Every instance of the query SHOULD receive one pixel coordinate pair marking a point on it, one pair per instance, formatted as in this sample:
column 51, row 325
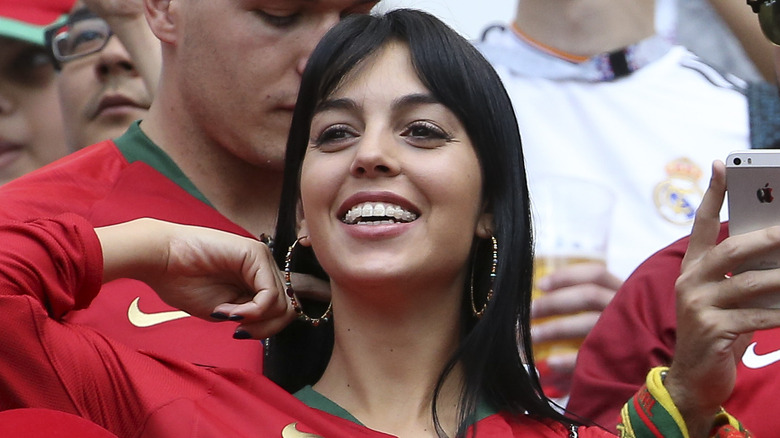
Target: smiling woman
column 404, row 186
column 388, row 118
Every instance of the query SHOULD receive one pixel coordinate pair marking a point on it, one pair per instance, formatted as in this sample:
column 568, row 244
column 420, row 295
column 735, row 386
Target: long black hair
column 498, row 370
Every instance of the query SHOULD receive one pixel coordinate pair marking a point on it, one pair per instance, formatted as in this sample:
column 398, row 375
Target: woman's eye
column 335, row 135
column 279, row 20
column 425, row 134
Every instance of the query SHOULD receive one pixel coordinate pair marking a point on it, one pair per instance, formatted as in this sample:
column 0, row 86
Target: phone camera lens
column 737, row 161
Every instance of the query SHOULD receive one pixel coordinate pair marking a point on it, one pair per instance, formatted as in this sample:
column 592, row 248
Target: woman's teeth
column 378, row 213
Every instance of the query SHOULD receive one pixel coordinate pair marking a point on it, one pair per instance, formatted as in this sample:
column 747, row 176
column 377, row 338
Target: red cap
column 26, row 19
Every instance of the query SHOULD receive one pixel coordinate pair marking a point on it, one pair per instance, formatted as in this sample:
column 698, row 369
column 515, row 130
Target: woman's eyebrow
column 398, row 104
column 409, row 101
column 340, row 104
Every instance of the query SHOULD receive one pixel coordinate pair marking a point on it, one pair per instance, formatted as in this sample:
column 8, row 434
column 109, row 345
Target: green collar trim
column 136, row 146
column 314, row 399
column 483, row 411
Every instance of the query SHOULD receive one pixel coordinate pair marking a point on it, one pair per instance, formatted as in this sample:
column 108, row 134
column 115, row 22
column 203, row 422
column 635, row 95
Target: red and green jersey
column 50, row 267
column 117, row 181
column 637, row 332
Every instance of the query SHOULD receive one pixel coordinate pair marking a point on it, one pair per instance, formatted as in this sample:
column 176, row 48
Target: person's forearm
column 135, row 249
column 744, row 24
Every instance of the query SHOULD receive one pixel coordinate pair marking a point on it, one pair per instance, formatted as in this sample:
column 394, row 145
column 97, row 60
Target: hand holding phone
column 752, row 178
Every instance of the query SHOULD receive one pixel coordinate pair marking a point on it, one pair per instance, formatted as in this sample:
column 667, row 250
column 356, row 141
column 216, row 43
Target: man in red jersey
column 209, row 153
column 638, row 330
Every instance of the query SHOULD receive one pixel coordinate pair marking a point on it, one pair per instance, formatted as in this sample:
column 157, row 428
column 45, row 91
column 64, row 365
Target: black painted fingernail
column 220, row 316
column 236, row 317
column 241, row 334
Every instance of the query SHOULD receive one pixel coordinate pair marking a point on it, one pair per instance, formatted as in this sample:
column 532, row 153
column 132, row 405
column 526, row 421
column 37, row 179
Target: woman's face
column 390, row 183
column 31, row 133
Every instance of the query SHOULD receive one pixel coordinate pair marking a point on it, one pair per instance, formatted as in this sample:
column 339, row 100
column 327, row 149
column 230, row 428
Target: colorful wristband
column 652, row 413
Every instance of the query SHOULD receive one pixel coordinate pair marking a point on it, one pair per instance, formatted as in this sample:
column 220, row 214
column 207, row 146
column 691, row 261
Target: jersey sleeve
column 57, row 262
column 47, row 268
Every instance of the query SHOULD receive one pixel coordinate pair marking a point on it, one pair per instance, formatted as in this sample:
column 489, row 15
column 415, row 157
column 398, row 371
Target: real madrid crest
column 677, row 198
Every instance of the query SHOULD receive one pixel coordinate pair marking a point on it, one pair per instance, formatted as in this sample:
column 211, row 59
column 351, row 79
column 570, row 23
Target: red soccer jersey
column 637, row 331
column 117, row 181
column 52, row 266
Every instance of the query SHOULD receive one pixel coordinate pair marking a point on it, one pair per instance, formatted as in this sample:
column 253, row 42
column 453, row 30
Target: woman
column 451, row 103
column 405, row 177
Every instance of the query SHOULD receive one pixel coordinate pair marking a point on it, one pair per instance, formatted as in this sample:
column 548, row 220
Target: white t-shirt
column 651, row 136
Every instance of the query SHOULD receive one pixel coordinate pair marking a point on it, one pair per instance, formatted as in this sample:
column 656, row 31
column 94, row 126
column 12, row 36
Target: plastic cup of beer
column 572, row 219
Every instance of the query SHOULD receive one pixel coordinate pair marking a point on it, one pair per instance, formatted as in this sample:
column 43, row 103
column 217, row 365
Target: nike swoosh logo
column 754, row 361
column 141, row 319
column 291, row 431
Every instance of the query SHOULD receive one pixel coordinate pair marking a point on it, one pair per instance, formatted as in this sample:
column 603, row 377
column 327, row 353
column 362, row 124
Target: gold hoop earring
column 291, row 293
column 493, row 266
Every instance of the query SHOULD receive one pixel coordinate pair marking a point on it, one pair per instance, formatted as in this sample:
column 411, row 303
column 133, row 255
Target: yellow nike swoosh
column 291, row 431
column 140, row 319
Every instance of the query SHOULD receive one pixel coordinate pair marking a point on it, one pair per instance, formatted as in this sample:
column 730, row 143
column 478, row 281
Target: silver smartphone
column 753, row 185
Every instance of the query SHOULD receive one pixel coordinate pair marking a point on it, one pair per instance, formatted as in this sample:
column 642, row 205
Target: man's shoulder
column 658, row 273
column 687, row 61
column 96, row 160
column 674, row 252
column 68, row 184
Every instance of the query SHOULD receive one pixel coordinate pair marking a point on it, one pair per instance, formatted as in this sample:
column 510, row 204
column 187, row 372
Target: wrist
column 675, row 412
column 697, row 419
column 136, row 249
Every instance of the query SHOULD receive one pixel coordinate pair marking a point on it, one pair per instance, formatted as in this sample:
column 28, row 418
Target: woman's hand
column 712, row 328
column 207, row 273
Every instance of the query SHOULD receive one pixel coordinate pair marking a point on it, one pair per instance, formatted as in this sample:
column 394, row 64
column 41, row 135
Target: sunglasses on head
column 768, row 17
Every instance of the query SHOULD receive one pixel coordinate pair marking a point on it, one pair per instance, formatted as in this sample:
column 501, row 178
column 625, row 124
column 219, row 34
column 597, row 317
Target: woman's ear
column 304, row 239
column 162, row 16
column 303, row 229
column 485, row 225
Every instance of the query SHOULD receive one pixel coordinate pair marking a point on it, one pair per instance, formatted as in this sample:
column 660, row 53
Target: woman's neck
column 388, row 357
column 586, row 27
